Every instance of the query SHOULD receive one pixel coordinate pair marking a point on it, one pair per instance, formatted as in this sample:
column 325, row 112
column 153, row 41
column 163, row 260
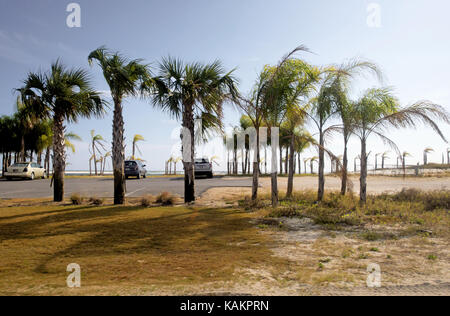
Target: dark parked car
column 135, row 168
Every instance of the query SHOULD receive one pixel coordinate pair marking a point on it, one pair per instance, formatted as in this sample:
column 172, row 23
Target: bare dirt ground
column 335, row 262
column 375, row 185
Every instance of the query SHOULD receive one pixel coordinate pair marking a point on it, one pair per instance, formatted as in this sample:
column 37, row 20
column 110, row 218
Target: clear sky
column 412, row 46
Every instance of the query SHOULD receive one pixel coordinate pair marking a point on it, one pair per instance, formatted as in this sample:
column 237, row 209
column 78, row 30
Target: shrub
column 165, row 198
column 76, row 199
column 96, row 201
column 147, row 201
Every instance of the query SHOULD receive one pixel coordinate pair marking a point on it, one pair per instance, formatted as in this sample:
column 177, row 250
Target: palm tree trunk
column 291, row 168
column 47, row 161
column 95, row 158
column 189, row 177
column 286, row 160
column 404, row 167
column 321, row 169
column 118, row 154
column 255, row 182
column 344, row 169
column 59, row 157
column 363, row 177
column 281, row 160
column 299, row 164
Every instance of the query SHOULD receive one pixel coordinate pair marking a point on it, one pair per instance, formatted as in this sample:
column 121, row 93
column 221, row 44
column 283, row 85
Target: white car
column 25, row 170
column 202, row 167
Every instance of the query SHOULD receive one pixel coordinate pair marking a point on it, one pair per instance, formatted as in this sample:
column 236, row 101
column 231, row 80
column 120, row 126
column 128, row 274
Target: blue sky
column 412, row 47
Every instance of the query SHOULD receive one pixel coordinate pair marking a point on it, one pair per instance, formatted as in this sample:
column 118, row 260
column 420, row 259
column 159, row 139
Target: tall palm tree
column 27, row 120
column 378, row 110
column 339, row 84
column 97, row 143
column 281, row 88
column 125, row 78
column 425, row 154
column 192, row 90
column 137, row 138
column 65, row 95
column 448, row 156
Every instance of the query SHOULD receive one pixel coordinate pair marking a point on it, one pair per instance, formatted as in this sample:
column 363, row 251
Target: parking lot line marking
column 131, row 193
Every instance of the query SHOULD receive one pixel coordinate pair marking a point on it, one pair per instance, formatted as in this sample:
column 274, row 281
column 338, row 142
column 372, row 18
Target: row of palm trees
column 293, row 93
column 285, row 96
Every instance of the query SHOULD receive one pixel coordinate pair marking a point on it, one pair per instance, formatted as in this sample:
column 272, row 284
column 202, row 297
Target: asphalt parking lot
column 103, row 187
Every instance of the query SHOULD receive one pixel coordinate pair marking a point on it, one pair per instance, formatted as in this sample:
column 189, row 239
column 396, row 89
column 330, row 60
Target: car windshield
column 130, row 163
column 201, row 161
column 20, row 165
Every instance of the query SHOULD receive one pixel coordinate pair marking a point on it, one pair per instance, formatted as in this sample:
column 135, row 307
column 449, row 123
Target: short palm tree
column 377, row 110
column 137, row 138
column 384, row 156
column 312, row 160
column 192, row 90
column 64, row 95
column 425, row 154
column 125, row 78
column 405, row 154
column 97, row 143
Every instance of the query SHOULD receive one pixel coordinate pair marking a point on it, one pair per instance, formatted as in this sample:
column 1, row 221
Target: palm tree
column 97, row 143
column 281, row 88
column 63, row 94
column 425, row 154
column 356, row 158
column 136, row 138
column 303, row 140
column 312, row 160
column 448, row 156
column 376, row 160
column 175, row 161
column 384, row 156
column 338, row 84
column 108, row 154
column 27, row 120
column 404, row 155
column 378, row 110
column 244, row 123
column 124, row 78
column 305, row 161
column 192, row 90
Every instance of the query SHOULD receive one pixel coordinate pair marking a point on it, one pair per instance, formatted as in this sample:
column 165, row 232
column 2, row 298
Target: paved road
column 103, row 187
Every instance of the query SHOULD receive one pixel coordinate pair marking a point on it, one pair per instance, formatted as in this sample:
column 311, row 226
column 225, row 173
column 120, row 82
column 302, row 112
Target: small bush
column 432, row 257
column 165, row 198
column 147, row 201
column 96, row 201
column 76, row 199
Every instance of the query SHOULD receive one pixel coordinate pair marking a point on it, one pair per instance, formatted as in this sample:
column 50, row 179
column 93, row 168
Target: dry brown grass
column 121, row 248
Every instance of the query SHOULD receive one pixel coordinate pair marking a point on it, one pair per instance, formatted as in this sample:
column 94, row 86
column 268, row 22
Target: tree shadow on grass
column 188, row 234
